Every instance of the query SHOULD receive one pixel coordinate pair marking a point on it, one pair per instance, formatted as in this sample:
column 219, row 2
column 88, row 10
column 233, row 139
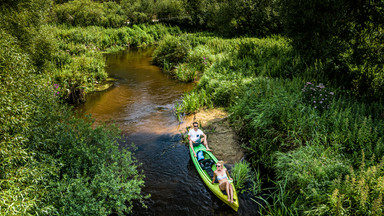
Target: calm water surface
column 141, row 103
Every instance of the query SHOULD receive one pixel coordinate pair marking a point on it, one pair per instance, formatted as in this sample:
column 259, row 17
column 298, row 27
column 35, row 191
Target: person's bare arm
column 214, row 178
column 191, row 146
column 228, row 174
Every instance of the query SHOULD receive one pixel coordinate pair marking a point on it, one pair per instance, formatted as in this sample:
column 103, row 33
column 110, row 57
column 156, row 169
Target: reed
column 241, row 174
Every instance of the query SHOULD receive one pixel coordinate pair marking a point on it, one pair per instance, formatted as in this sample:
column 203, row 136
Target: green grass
column 241, row 173
column 304, row 136
column 79, row 59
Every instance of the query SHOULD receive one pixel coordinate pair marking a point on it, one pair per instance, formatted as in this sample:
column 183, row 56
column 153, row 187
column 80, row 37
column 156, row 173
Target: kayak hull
column 207, row 179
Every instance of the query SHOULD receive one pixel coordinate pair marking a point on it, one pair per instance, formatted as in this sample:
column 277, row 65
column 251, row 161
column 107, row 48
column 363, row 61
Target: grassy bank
column 78, row 61
column 319, row 146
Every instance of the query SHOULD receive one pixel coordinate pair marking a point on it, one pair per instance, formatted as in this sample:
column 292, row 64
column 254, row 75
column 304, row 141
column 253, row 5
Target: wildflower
column 321, row 85
column 331, row 93
column 314, row 101
column 321, row 102
column 315, row 107
column 309, row 83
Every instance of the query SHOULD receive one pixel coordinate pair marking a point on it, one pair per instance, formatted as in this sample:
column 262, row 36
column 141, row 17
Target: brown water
column 141, row 103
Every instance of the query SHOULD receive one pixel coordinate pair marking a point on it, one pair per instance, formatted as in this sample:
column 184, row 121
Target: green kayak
column 207, row 176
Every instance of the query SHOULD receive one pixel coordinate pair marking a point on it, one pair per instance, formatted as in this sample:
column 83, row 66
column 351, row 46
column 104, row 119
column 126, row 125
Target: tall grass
column 79, row 61
column 241, row 173
column 302, row 130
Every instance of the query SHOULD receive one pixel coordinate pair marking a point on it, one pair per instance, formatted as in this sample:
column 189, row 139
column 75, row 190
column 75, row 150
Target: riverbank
column 301, row 129
column 78, row 53
column 222, row 138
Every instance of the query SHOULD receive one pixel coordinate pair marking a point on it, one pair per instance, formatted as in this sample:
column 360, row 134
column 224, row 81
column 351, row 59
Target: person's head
column 195, row 125
column 219, row 164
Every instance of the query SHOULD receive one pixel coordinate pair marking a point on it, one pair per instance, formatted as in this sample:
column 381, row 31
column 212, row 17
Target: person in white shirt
column 197, row 137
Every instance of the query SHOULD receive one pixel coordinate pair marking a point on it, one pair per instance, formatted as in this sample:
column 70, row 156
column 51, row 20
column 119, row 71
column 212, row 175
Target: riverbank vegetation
column 53, row 163
column 308, row 105
column 303, row 81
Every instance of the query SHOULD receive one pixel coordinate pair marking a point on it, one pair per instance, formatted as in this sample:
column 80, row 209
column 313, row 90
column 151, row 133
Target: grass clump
column 241, row 174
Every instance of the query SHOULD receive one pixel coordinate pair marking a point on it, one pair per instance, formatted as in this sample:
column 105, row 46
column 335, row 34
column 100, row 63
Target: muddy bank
column 222, row 138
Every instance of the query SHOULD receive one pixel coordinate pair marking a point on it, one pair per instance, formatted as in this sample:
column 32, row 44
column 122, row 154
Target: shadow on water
column 141, row 103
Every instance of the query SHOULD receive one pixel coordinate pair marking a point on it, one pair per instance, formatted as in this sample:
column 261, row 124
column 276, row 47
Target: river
column 141, row 103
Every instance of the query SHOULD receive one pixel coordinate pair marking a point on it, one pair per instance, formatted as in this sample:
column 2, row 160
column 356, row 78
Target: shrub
column 52, row 162
column 184, row 72
column 193, row 101
column 87, row 13
column 171, row 49
column 201, row 58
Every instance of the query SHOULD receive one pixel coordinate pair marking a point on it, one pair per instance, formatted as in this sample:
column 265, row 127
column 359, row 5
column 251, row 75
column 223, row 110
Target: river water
column 141, row 103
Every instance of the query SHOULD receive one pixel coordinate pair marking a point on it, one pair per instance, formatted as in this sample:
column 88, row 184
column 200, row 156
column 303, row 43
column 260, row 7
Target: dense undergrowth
column 320, row 146
column 51, row 162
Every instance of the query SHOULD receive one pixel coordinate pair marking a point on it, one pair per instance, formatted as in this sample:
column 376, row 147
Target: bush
column 53, row 163
column 138, row 11
column 87, row 13
column 171, row 50
column 167, row 10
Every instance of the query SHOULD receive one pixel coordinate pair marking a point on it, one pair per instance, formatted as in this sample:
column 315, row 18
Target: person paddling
column 196, row 137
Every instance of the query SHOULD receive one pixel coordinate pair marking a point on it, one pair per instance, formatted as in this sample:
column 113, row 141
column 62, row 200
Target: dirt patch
column 222, row 139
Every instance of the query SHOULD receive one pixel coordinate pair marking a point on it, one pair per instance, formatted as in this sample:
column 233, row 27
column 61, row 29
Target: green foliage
column 184, row 72
column 168, row 10
column 241, row 174
column 140, row 11
column 276, row 201
column 317, row 96
column 361, row 192
column 53, row 163
column 171, row 50
column 23, row 20
column 246, row 17
column 88, row 12
column 193, row 101
column 309, row 172
column 344, row 36
column 259, row 81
